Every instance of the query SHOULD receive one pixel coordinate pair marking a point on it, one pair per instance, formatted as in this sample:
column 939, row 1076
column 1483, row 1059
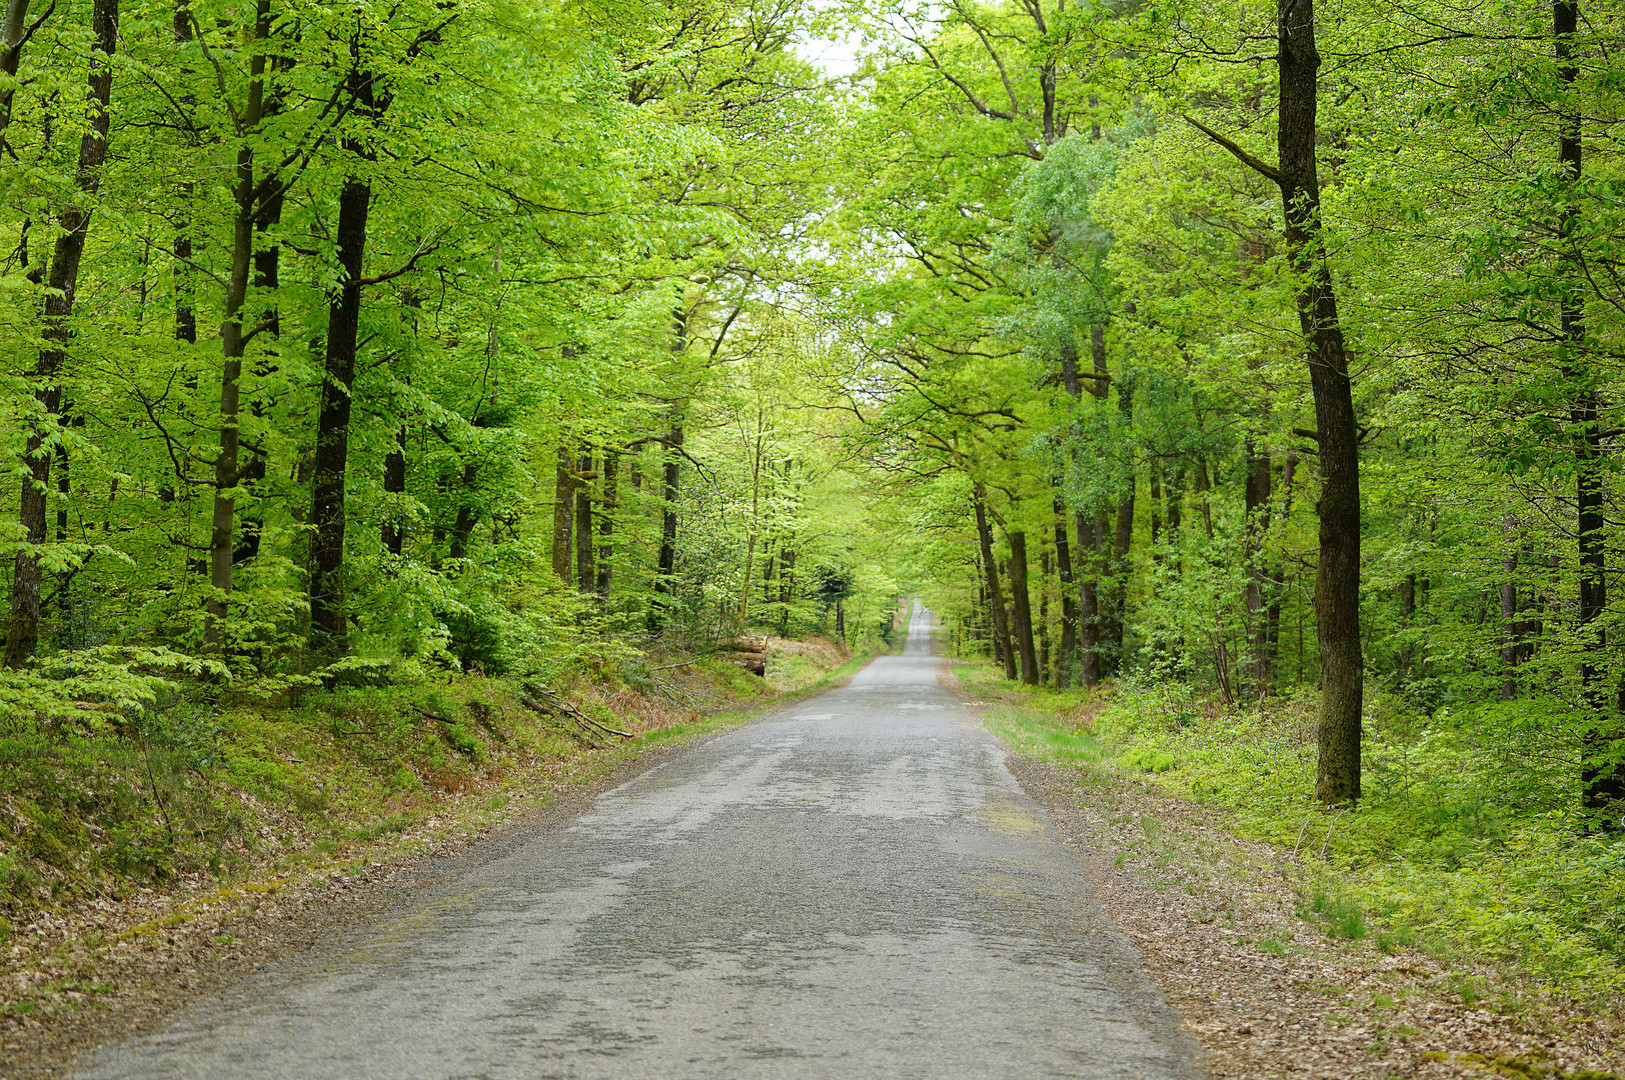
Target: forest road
column 853, row 886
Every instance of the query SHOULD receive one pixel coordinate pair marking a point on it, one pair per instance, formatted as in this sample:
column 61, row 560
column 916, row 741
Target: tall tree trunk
column 394, row 529
column 267, row 280
column 1001, row 627
column 64, row 580
column 606, row 524
column 327, row 614
column 1123, row 538
column 462, row 532
column 1603, row 765
column 1260, row 475
column 666, row 561
column 1066, row 659
column 1023, row 607
column 564, row 499
column 62, row 278
column 1337, row 579
column 14, row 34
column 1509, row 621
column 585, row 580
column 1089, row 644
column 787, row 578
column 1046, row 663
column 755, row 517
column 233, row 342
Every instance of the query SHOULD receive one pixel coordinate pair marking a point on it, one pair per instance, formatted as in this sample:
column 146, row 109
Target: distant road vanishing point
column 852, row 886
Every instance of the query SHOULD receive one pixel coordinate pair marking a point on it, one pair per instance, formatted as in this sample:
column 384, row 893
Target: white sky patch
column 837, row 59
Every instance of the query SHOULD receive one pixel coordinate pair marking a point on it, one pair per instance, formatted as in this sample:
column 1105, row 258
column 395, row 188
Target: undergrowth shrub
column 1467, row 841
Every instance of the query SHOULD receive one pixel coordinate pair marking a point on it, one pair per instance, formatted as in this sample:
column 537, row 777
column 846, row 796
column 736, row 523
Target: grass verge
column 1460, row 848
column 192, row 815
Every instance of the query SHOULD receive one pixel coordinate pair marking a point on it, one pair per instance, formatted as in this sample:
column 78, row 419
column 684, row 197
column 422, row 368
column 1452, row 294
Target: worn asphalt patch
column 852, row 886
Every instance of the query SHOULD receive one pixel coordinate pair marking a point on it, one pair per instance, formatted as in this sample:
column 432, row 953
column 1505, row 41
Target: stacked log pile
column 749, row 653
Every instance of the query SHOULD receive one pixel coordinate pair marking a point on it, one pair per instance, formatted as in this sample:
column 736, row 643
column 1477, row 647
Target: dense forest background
column 1266, row 358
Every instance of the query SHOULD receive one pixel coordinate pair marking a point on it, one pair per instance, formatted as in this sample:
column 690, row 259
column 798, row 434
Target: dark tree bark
column 1509, row 628
column 1260, row 477
column 1023, row 608
column 1001, row 628
column 327, row 614
column 267, row 280
column 1122, row 540
column 1088, row 600
column 1046, row 663
column 462, row 531
column 666, row 561
column 15, row 31
column 62, row 278
column 564, row 483
column 1337, row 579
column 1066, row 658
column 787, row 576
column 64, row 580
column 1602, row 775
column 1091, row 539
column 233, row 343
column 394, row 529
column 584, row 570
column 1337, row 576
column 606, row 524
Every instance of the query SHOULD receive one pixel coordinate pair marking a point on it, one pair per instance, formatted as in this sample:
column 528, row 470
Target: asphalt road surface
column 853, row 886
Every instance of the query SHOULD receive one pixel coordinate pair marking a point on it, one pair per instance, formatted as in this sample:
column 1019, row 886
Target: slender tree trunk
column 1066, row 659
column 564, row 486
column 233, row 342
column 1123, row 538
column 267, row 280
column 327, row 614
column 606, row 524
column 787, row 575
column 666, row 562
column 462, row 532
column 14, row 34
column 1260, row 475
column 585, row 579
column 394, row 530
column 1088, row 600
column 1337, row 579
column 755, row 517
column 1023, row 608
column 64, row 580
column 62, row 277
column 1603, row 765
column 1046, row 664
column 1001, row 628
column 1509, row 624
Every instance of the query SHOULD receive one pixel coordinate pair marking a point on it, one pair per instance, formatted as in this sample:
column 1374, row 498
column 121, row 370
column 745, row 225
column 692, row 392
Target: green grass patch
column 1147, row 759
column 1466, row 844
column 221, row 784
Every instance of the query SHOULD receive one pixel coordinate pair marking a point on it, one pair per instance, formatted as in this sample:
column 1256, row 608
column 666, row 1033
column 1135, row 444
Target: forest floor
column 1226, row 928
column 111, row 967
